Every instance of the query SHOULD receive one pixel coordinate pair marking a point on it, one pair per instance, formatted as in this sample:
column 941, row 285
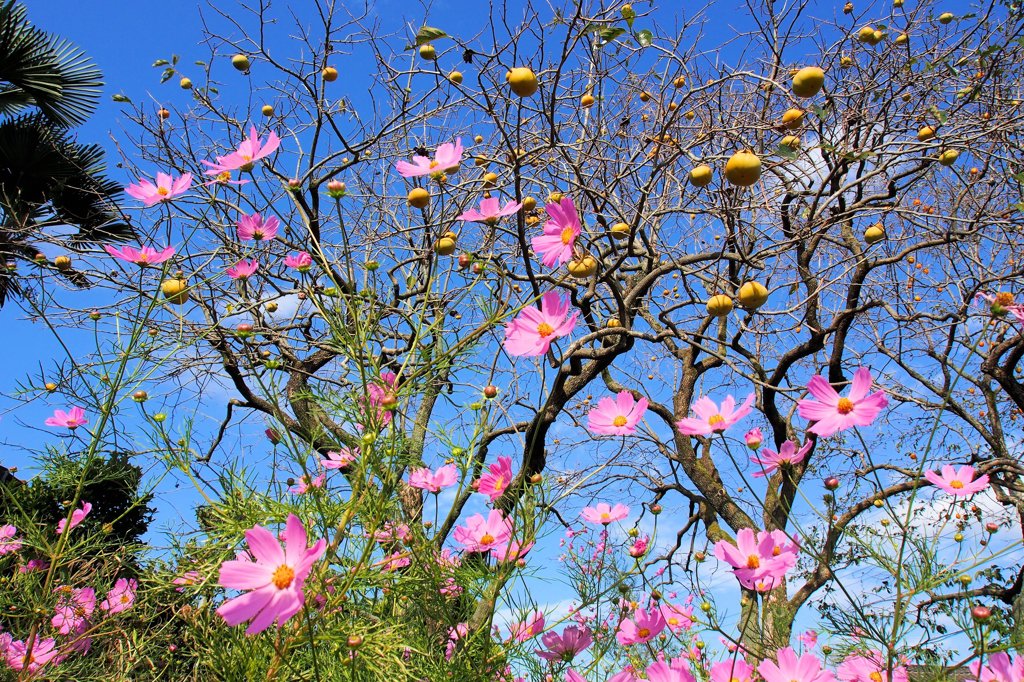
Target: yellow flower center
column 1004, row 298
column 499, row 482
column 716, row 420
column 224, row 177
column 163, row 191
column 643, row 632
column 606, row 517
column 845, row 406
column 433, row 164
column 875, row 676
column 619, row 421
column 753, row 561
column 125, row 599
column 673, row 621
column 283, row 576
column 545, row 330
column 567, row 235
column 956, row 484
column 776, row 551
column 486, row 539
column 257, row 235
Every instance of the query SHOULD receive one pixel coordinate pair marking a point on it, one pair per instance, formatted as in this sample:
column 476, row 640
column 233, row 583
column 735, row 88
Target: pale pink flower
column 759, row 561
column 832, row 414
column 565, row 646
column 677, row 617
column 528, row 628
column 77, row 516
column 382, row 396
column 307, row 484
column 788, row 667
column 959, row 482
column 808, row 639
column 71, row 419
column 604, row 514
column 714, row 419
column 787, row 455
column 339, row 459
column 44, row 650
column 391, row 532
column 446, row 159
column 255, row 227
column 8, row 543
column 141, row 256
column 301, row 261
column 460, row 631
column 642, row 627
column 513, row 551
column 496, row 479
column 490, row 212
column 274, row 579
column 618, row 416
column 186, row 579
column 248, row 153
column 165, row 189
column 243, row 269
column 483, row 535
column 733, row 670
column 555, row 246
column 753, row 438
column 660, row 671
column 394, row 561
column 999, row 668
column 533, row 330
column 425, row 479
column 870, row 667
column 121, row 596
column 74, row 606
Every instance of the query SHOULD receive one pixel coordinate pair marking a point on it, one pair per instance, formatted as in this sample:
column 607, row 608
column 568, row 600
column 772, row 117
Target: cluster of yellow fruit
column 752, row 295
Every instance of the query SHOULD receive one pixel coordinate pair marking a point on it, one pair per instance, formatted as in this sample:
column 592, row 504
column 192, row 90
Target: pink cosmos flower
column 733, row 670
column 301, row 261
column 8, row 543
column 787, row 455
column 141, row 256
column 533, row 330
column 382, row 396
column 618, row 416
column 186, row 579
column 660, row 671
column 808, row 639
column 1002, row 303
column 605, row 514
column 714, row 419
column 528, row 628
column 753, row 438
column 639, row 547
column 498, row 476
column 460, row 631
column 339, row 459
column 33, row 565
column 249, row 151
column 425, row 479
column 555, row 246
column 255, row 227
column 642, row 627
column 788, row 667
column 677, row 617
column 490, row 212
column 273, row 580
column 759, row 561
column 71, row 419
column 870, row 668
column 394, row 561
column 832, row 414
column 77, row 516
column 513, row 551
column 446, row 159
column 573, row 676
column 74, row 607
column 44, row 650
column 999, row 668
column 121, row 596
column 391, row 532
column 959, row 482
column 484, row 535
column 243, row 269
column 564, row 646
column 307, row 484
column 165, row 189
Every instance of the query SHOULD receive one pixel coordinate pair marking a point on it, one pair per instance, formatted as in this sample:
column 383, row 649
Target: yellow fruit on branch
column 522, row 81
column 582, row 268
column 874, row 234
column 793, row 118
column 428, row 52
column 185, row 83
column 529, row 204
column 948, row 157
column 329, row 74
column 587, row 101
column 620, row 231
column 866, row 34
column 719, row 305
column 175, row 290
column 743, row 169
column 926, row 133
column 240, row 62
column 791, row 142
column 445, row 246
column 62, row 263
column 808, row 81
column 418, row 197
column 701, row 176
column 456, row 77
column 267, row 110
column 753, row 295
column 945, row 18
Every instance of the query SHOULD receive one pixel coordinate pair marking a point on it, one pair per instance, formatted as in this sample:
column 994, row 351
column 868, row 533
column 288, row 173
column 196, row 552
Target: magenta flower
column 604, row 514
column 425, row 479
column 787, row 455
column 490, row 212
column 44, row 650
column 301, row 261
column 733, row 670
column 832, row 414
column 392, row 532
column 714, row 419
column 677, row 617
column 121, row 596
column 77, row 516
column 186, row 579
column 71, row 419
column 959, row 482
column 73, row 609
column 753, row 438
column 307, row 484
column 618, row 416
column 255, row 227
column 790, row 668
column 248, row 153
column 8, row 543
column 660, row 671
column 483, row 535
column 533, row 330
column 339, row 459
column 446, row 159
column 565, row 646
column 759, row 561
column 165, row 189
column 639, row 547
column 528, row 628
column 1002, row 303
column 555, row 246
column 642, row 627
column 273, row 581
column 999, row 668
column 382, row 396
column 141, row 256
column 243, row 269
column 496, row 479
column 513, row 551
column 808, row 638
column 870, row 667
